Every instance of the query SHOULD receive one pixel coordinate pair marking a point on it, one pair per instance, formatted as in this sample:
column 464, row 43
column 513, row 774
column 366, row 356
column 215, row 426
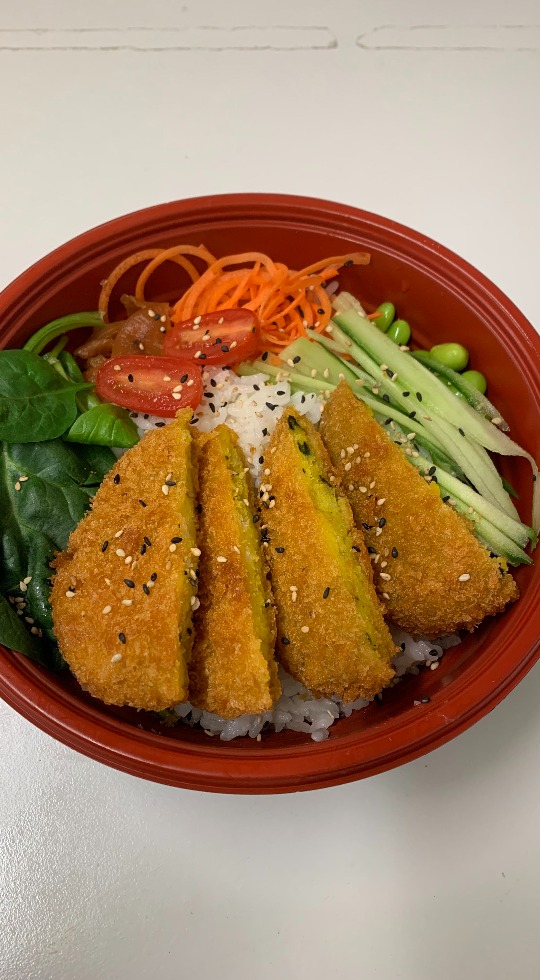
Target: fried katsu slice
column 433, row 575
column 124, row 586
column 331, row 633
column 232, row 671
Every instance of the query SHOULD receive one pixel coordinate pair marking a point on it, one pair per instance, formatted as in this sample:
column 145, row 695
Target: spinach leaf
column 36, row 403
column 16, row 636
column 39, row 513
column 104, row 425
column 73, row 321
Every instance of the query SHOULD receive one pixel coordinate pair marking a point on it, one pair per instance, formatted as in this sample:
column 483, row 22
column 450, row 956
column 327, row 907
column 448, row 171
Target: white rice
column 243, row 404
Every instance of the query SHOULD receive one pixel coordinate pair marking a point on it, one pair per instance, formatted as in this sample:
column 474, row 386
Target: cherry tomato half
column 224, row 337
column 157, row 385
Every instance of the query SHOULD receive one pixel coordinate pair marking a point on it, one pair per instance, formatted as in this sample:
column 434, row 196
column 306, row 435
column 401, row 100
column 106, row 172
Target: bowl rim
column 34, row 694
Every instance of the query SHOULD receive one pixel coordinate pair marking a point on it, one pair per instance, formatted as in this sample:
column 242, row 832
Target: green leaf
column 48, row 333
column 16, row 636
column 37, row 519
column 36, row 403
column 104, row 425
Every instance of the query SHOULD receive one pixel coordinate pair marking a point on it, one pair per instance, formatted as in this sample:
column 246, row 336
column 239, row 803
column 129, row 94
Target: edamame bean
column 454, row 356
column 400, row 332
column 387, row 312
column 476, row 379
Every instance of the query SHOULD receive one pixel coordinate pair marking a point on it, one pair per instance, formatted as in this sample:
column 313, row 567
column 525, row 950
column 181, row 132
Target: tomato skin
column 223, row 337
column 152, row 386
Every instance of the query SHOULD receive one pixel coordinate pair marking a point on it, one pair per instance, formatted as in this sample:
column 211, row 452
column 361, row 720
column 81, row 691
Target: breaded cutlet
column 432, row 574
column 124, row 587
column 232, row 669
column 331, row 633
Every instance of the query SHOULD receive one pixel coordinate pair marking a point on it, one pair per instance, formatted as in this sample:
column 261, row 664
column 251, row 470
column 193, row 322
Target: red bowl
column 444, row 298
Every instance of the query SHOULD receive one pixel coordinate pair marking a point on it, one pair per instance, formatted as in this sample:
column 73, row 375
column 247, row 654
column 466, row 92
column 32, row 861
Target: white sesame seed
column 272, row 504
column 385, row 576
column 119, row 533
column 172, row 547
column 190, row 382
column 23, row 479
column 236, row 549
column 127, row 602
column 434, row 665
column 464, row 578
column 116, row 658
column 221, row 558
column 141, row 346
column 497, row 420
column 304, row 629
column 366, row 455
column 375, row 391
column 36, row 631
column 117, row 367
column 27, row 579
column 221, row 319
column 378, row 531
column 70, row 594
column 106, row 610
column 176, row 395
column 128, row 559
column 195, row 602
column 372, row 484
column 178, row 388
column 197, row 320
column 165, row 489
column 347, row 467
column 294, row 596
column 195, row 551
column 163, row 319
column 120, row 552
column 23, row 587
column 167, row 565
column 381, row 501
column 385, row 595
column 351, row 486
column 17, row 485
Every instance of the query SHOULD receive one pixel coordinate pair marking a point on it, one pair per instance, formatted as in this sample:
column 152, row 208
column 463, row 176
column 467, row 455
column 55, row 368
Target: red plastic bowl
column 444, row 298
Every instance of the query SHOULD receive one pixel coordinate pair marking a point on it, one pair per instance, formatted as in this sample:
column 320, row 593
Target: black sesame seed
column 202, row 357
column 446, row 499
column 261, row 460
column 264, row 356
column 270, row 406
column 225, row 348
column 146, row 416
column 170, row 483
column 183, row 379
column 153, row 577
column 257, row 387
column 159, row 425
column 419, row 396
column 461, row 432
column 291, row 422
column 355, row 547
column 194, row 420
column 147, row 541
column 156, row 316
column 302, row 399
column 382, row 522
column 394, row 552
column 348, row 262
column 386, row 398
column 122, row 637
column 143, row 549
column 130, row 378
column 256, row 518
column 212, row 407
column 534, row 478
column 320, row 311
column 176, row 540
column 145, row 589
column 367, row 527
column 371, row 551
column 134, row 415
column 208, row 394
column 402, row 646
column 116, row 479
column 297, row 359
column 213, row 382
column 280, row 551
column 199, row 508
column 189, row 631
column 425, row 699
column 412, row 415
column 405, row 394
column 267, row 603
column 389, row 372
column 142, row 502
column 388, row 421
column 432, row 470
column 280, row 392
column 285, row 640
column 129, row 582
column 265, row 431
column 104, row 546
column 326, row 592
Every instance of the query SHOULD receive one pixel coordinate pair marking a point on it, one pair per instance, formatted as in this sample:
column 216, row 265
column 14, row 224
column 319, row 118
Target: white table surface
column 429, row 871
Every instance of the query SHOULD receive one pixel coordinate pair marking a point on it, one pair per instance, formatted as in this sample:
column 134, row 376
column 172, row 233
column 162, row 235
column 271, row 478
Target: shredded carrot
column 287, row 302
column 374, row 315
